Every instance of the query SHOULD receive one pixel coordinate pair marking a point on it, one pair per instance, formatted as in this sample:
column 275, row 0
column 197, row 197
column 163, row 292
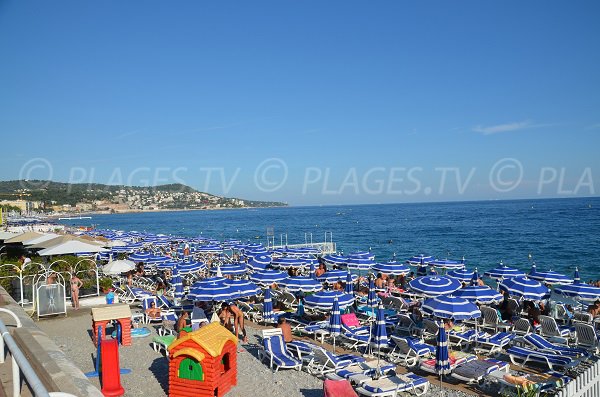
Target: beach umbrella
column 349, row 288
column 71, row 247
column 479, row 294
column 447, row 264
column 362, row 254
column 379, row 336
column 212, row 289
column 502, row 271
column 209, row 249
column 244, row 288
column 230, row 269
column 140, row 256
column 323, row 300
column 331, row 276
column 268, row 306
column 392, row 268
column 165, row 265
column 300, row 283
column 451, row 307
column 432, row 286
column 442, row 361
column 335, row 321
column 177, row 283
column 461, row 274
column 286, row 262
column 118, row 266
column 259, row 261
column 420, row 260
column 268, row 277
column 550, row 277
column 359, row 263
column 335, row 260
column 525, row 288
column 372, row 296
column 191, row 267
column 578, row 290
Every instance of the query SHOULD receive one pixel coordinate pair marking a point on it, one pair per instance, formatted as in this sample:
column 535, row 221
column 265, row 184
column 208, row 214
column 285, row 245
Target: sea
column 556, row 234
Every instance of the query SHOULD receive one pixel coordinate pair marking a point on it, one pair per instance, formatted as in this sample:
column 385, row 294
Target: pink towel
column 350, row 320
column 338, row 388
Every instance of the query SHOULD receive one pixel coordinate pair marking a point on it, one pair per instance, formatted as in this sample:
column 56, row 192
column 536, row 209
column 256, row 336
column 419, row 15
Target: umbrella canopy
column 323, row 300
column 212, row 289
column 21, row 238
column 372, row 296
column 447, row 264
column 578, row 290
column 479, row 294
column 451, row 307
column 525, row 288
column 177, row 283
column 300, row 283
column 259, row 261
column 71, row 247
column 191, row 267
column 379, row 336
column 286, row 262
column 41, row 239
column 331, row 276
column 461, row 274
column 230, row 269
column 267, row 307
column 432, row 286
column 244, row 288
column 442, row 363
column 550, row 277
column 362, row 254
column 503, row 271
column 359, row 263
column 140, row 256
column 392, row 268
column 165, row 265
column 335, row 260
column 420, row 260
column 118, row 267
column 268, row 277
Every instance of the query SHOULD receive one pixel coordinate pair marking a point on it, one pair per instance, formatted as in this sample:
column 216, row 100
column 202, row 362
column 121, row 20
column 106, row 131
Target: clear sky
column 313, row 102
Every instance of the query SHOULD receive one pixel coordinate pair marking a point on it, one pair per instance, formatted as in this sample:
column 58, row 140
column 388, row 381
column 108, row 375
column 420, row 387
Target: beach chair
column 582, row 317
column 287, row 299
column 549, row 328
column 137, row 294
column 475, row 371
column 538, row 342
column 302, row 350
column 198, row 317
column 493, row 344
column 430, row 328
column 492, row 321
column 160, row 343
column 406, row 325
column 409, row 350
column 165, row 304
column 546, row 383
column 324, row 361
column 362, row 372
column 395, row 303
column 586, row 337
column 169, row 319
column 354, row 338
column 146, row 304
column 275, row 350
column 392, row 386
column 522, row 327
column 463, row 339
column 351, row 322
column 522, row 355
column 251, row 312
column 454, row 358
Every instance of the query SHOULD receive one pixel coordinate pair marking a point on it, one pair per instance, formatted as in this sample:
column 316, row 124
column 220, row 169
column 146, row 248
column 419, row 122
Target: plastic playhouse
column 203, row 362
column 101, row 316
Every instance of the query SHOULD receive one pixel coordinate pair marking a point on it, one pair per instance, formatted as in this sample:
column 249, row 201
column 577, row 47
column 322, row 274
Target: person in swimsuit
column 76, row 284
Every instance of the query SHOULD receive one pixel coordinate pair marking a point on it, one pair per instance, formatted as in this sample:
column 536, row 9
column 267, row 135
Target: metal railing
column 20, row 364
column 587, row 384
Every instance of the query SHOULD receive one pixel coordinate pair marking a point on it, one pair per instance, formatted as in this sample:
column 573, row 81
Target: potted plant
column 105, row 284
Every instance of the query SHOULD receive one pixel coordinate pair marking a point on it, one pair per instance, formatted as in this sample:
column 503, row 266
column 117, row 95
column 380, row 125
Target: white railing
column 586, row 384
column 21, row 365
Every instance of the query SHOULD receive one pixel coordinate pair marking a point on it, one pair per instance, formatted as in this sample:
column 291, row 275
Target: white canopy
column 71, row 247
column 41, row 239
column 118, row 266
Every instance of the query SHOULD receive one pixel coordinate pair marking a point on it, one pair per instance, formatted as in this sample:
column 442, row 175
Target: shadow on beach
column 160, row 370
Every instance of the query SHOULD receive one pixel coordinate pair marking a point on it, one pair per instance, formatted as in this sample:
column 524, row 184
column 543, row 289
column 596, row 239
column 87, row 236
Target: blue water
column 559, row 234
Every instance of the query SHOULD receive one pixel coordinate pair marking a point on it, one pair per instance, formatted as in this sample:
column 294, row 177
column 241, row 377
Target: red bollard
column 111, row 372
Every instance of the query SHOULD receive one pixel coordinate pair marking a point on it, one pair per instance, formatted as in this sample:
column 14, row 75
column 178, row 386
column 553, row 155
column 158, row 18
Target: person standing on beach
column 76, row 284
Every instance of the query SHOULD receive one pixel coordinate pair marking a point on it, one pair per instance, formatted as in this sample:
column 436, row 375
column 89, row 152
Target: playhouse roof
column 211, row 337
column 111, row 312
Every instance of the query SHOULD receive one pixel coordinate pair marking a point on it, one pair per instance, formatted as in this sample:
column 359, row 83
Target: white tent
column 118, row 266
column 71, row 247
column 41, row 239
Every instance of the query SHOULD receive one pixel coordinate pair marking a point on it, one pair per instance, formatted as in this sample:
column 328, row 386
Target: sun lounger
column 169, row 319
column 406, row 325
column 491, row 320
column 528, row 383
column 354, row 338
column 475, row 371
column 455, row 359
column 493, row 344
column 539, row 343
column 409, row 350
column 161, row 343
column 275, row 350
column 522, row 355
column 586, row 337
column 550, row 328
column 325, row 361
column 362, row 372
column 464, row 339
column 393, row 385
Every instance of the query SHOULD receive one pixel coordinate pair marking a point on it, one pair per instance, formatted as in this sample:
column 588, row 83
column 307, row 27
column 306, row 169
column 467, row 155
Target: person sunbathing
column 286, row 330
column 153, row 312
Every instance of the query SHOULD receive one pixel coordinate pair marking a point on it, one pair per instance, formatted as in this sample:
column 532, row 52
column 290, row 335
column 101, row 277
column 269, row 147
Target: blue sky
column 306, row 102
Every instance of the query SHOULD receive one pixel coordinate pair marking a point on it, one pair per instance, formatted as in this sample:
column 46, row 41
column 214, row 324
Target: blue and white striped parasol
column 362, row 254
column 259, row 261
column 420, row 260
column 502, row 271
column 349, row 287
column 267, row 307
column 212, row 289
column 300, row 283
column 230, row 269
column 525, row 288
column 268, row 277
column 578, row 290
column 335, row 260
column 286, row 262
column 392, row 268
column 461, row 274
column 178, row 284
column 331, row 276
column 323, row 300
column 335, row 321
column 359, row 263
column 166, row 265
column 372, row 298
column 549, row 277
column 191, row 267
column 379, row 336
column 483, row 295
column 451, row 307
column 447, row 264
column 244, row 288
column 432, row 286
column 139, row 256
column 442, row 362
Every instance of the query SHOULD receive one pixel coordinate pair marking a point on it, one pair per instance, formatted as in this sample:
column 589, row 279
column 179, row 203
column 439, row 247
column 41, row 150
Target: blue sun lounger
column 540, row 343
column 525, row 355
column 278, row 355
column 391, row 386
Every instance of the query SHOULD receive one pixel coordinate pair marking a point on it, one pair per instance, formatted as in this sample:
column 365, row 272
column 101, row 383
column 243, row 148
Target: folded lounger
column 391, row 386
column 474, row 371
